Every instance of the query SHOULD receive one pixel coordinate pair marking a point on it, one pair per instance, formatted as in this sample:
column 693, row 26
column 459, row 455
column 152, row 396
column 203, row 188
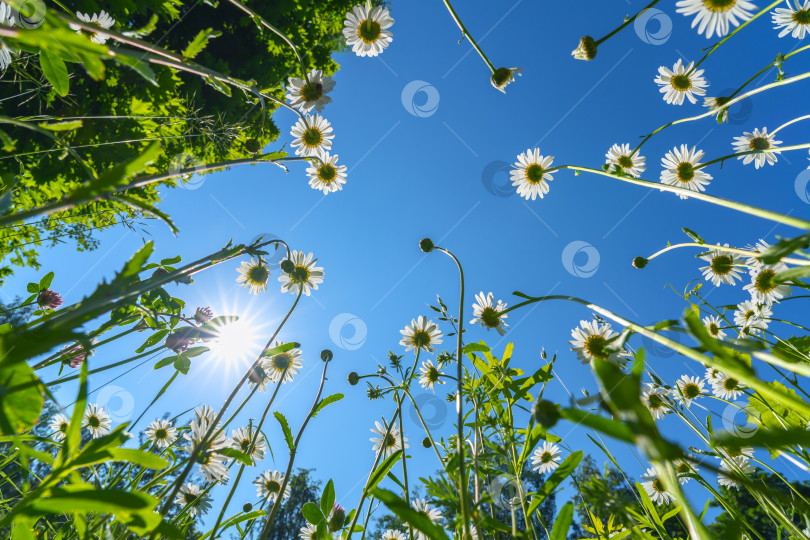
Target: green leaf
column 768, row 438
column 33, row 288
column 785, row 247
column 566, row 468
column 166, row 361
column 792, row 274
column 403, row 510
column 182, row 364
column 62, row 126
column 382, row 470
column 118, row 174
column 21, row 398
column 693, row 235
column 285, row 427
column 55, row 70
column 199, row 42
column 794, row 349
column 610, row 427
column 326, row 401
column 312, row 513
column 562, row 523
column 141, row 68
column 46, row 280
column 145, row 207
column 236, row 454
column 475, row 347
column 269, row 352
column 328, row 498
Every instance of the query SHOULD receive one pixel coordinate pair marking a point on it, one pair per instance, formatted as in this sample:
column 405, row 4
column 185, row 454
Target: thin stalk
column 404, row 466
column 467, row 35
column 625, row 23
column 744, row 252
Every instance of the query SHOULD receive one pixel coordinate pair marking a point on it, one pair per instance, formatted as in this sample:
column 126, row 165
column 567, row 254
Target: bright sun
column 238, row 342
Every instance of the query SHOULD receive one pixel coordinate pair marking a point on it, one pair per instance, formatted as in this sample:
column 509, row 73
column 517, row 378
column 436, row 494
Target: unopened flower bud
column 426, row 442
column 326, row 355
column 502, row 77
column 337, row 519
column 586, row 49
column 253, row 146
column 247, row 507
column 546, row 413
column 287, row 266
column 640, row 262
column 426, row 245
column 203, row 315
column 353, row 378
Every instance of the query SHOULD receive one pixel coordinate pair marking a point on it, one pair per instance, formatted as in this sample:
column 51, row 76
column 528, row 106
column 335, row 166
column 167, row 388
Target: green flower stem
column 740, row 207
column 728, row 507
column 766, row 151
column 625, row 23
column 465, row 511
column 427, row 431
column 404, row 466
column 467, row 35
column 786, row 124
column 744, row 252
column 731, row 102
column 732, row 370
column 209, row 435
column 693, row 524
column 267, row 526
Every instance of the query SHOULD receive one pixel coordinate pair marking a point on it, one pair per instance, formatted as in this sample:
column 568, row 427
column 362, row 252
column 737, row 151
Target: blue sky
column 431, row 174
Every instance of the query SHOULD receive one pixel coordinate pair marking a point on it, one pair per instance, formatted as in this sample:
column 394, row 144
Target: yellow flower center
column 719, row 5
column 681, row 82
column 686, row 172
column 534, row 173
column 369, row 31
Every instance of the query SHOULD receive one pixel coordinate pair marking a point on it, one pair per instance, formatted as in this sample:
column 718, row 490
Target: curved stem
column 747, row 152
column 625, row 23
column 404, row 466
column 744, row 252
column 467, row 35
column 786, row 124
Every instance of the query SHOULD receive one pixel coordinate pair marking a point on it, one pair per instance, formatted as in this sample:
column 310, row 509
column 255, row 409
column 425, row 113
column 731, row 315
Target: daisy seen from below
column 242, row 440
column 310, row 93
column 758, row 142
column 191, row 496
column 684, row 469
column 751, row 317
column 253, row 274
column 546, row 458
column 421, row 334
column 389, row 443
column 714, row 16
column 366, row 29
column 530, row 174
column 59, row 425
column 591, row 340
column 433, row 514
column 326, row 175
column 489, row 313
column 759, row 248
column 681, row 82
column 206, row 412
column 681, row 170
column 212, row 463
column 311, row 135
column 622, row 157
column 268, row 486
column 308, row 532
column 726, row 387
column 713, row 325
column 392, row 534
column 689, row 388
column 430, row 375
column 712, row 374
column 282, row 366
column 6, row 19
column 723, row 267
column 657, row 401
column 655, row 487
column 303, row 275
column 793, row 21
column 102, row 19
column 718, row 106
column 161, row 433
column 733, row 470
column 96, row 421
column 763, row 289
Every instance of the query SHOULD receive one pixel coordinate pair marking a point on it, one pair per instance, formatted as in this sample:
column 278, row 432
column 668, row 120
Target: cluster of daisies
column 718, row 16
column 422, row 506
column 95, row 421
column 299, row 273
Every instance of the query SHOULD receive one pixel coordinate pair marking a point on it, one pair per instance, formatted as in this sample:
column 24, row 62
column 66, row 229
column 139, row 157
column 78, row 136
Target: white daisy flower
column 188, row 496
column 6, row 19
column 310, row 93
column 366, row 29
column 723, row 267
column 689, row 388
column 751, row 317
column 685, row 470
column 212, row 463
column 591, row 341
column 311, row 135
column 735, row 452
column 759, row 141
column 5, row 57
column 304, row 276
column 713, row 325
column 161, row 433
column 793, row 21
column 205, row 411
column 326, row 175
column 391, row 534
column 282, row 366
column 546, row 458
column 503, row 77
column 430, row 375
column 392, row 442
column 96, row 421
column 308, row 532
column 59, row 425
column 433, row 514
column 713, row 374
column 268, row 486
column 680, row 169
column 718, row 106
column 253, row 274
column 763, row 289
column 655, row 488
column 726, row 387
column 421, row 334
column 759, row 248
column 529, row 174
column 714, row 16
column 488, row 313
column 242, row 439
column 657, row 400
column 621, row 157
column 680, row 82
column 733, row 470
column 102, row 19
